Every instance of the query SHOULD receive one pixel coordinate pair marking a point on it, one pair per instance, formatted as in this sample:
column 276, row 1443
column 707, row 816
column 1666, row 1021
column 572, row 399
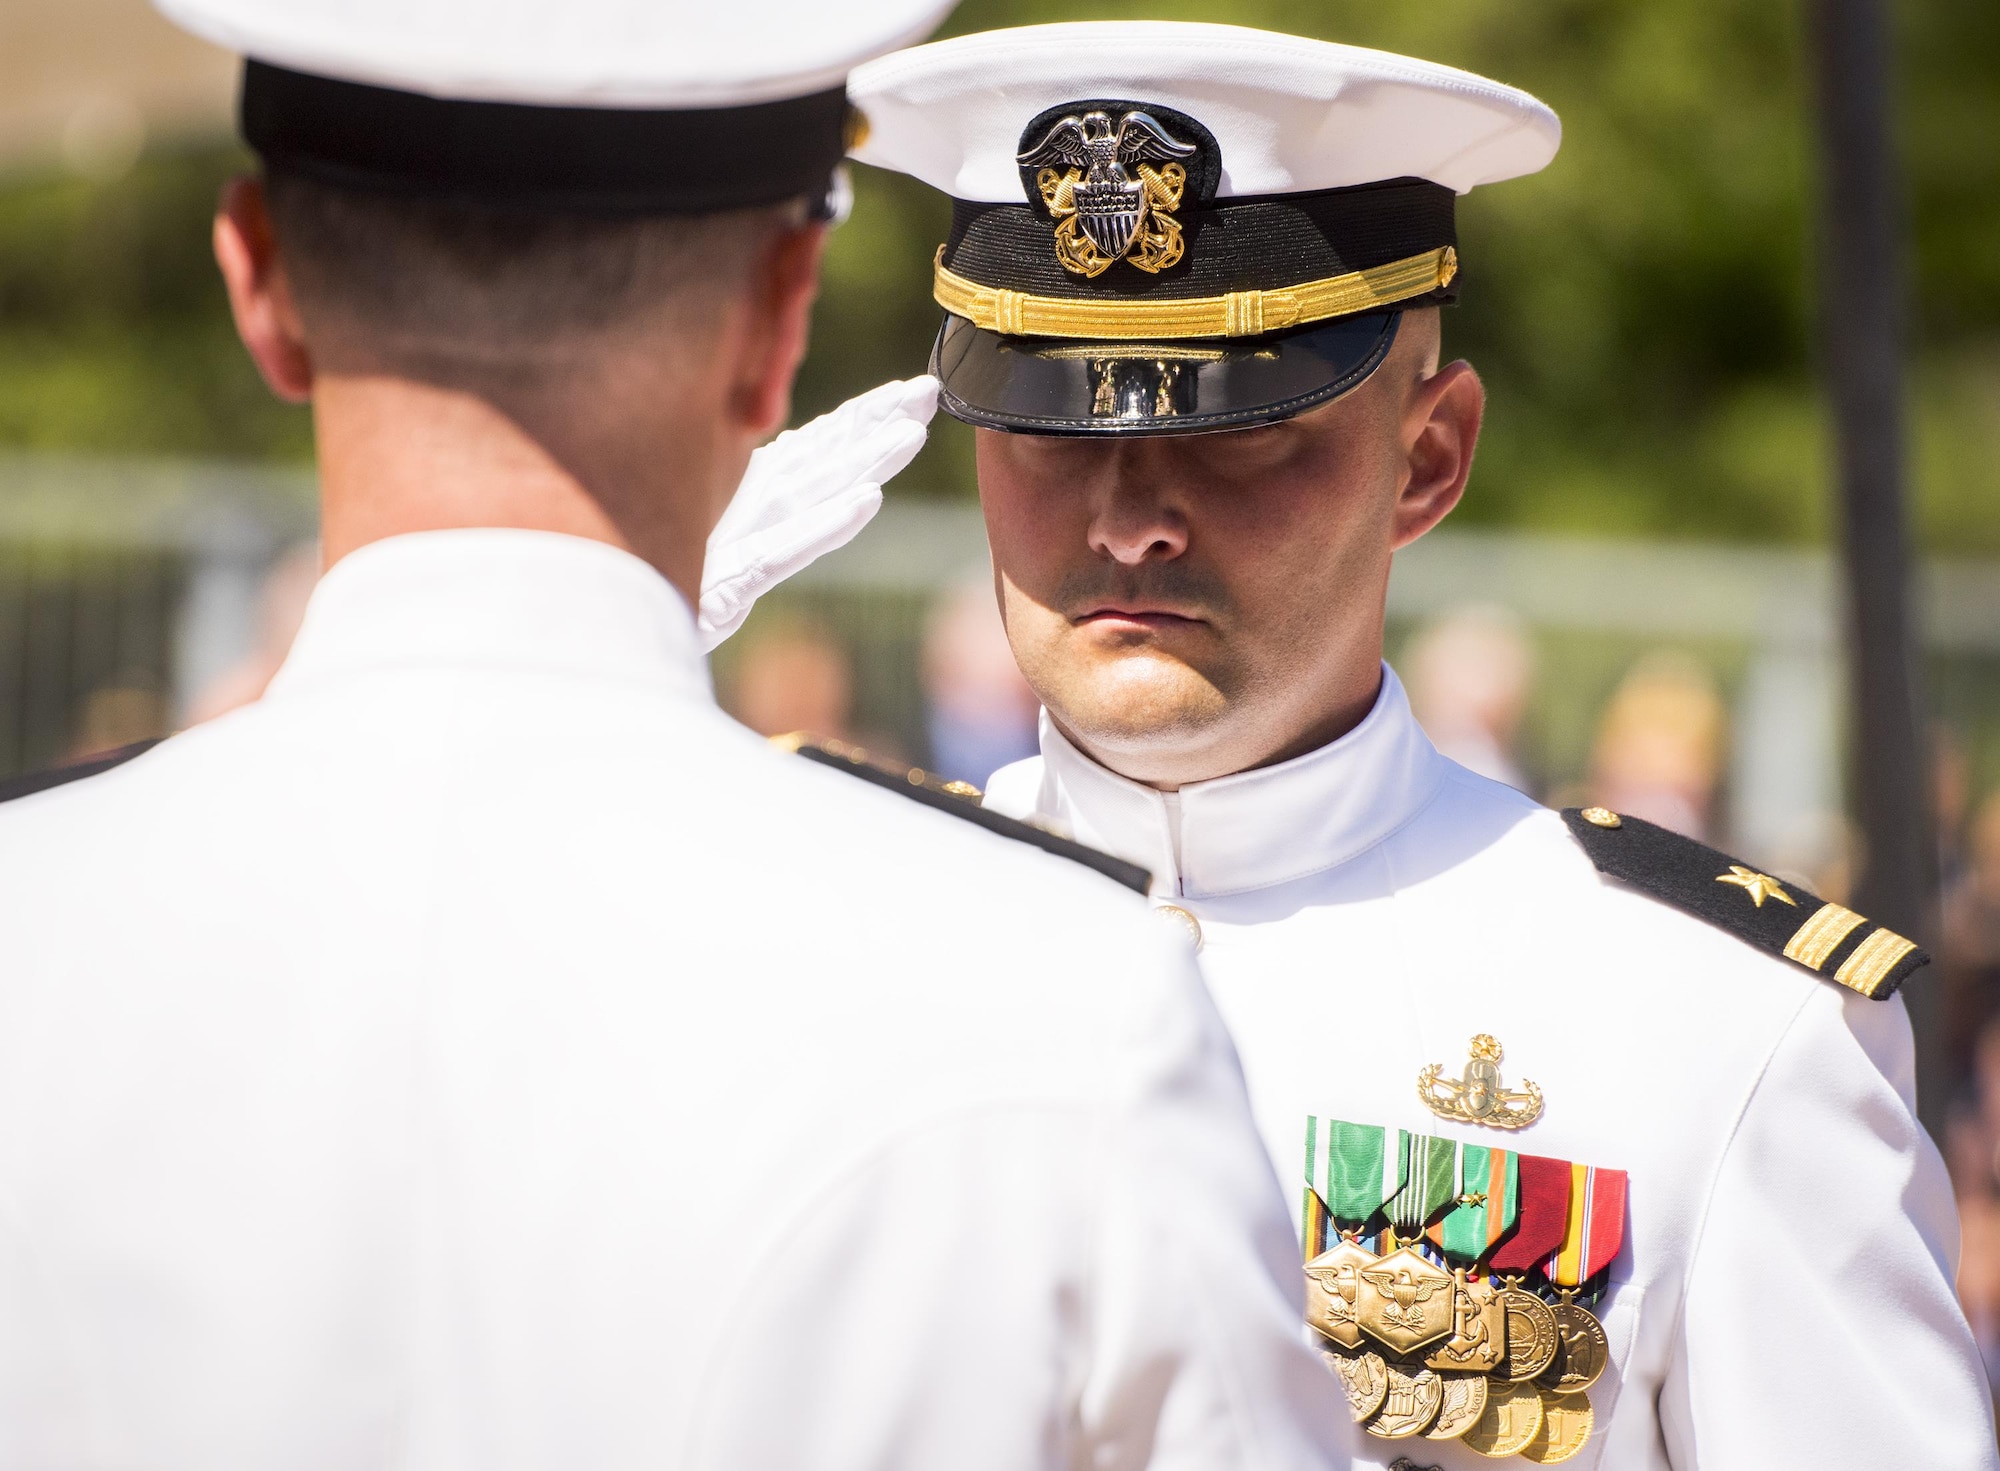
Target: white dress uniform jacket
column 1784, row 1294
column 482, row 1054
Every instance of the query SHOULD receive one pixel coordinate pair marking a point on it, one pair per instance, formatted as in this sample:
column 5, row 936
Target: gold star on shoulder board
column 1759, row 886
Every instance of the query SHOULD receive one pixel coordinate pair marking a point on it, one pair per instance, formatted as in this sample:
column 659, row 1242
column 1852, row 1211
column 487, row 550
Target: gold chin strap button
column 1602, row 817
column 1174, row 914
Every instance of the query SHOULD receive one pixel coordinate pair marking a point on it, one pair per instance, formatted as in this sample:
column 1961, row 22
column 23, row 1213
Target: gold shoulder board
column 1777, row 916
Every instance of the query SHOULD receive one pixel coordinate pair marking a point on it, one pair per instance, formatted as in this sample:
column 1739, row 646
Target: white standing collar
column 495, row 598
column 1256, row 828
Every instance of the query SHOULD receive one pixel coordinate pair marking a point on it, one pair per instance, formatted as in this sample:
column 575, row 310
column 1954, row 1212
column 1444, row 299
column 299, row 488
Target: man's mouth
column 1156, row 618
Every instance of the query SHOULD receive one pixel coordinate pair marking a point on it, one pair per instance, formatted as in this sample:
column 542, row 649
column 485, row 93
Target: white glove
column 806, row 493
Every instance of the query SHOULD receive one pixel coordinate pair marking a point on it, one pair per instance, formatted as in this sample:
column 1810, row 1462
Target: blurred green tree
column 1640, row 311
column 115, row 335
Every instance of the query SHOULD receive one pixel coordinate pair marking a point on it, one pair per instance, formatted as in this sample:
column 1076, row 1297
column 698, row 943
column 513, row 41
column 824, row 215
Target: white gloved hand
column 806, row 493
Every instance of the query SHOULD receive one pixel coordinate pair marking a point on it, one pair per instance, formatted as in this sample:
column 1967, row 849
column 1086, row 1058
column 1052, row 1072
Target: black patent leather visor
column 1036, row 385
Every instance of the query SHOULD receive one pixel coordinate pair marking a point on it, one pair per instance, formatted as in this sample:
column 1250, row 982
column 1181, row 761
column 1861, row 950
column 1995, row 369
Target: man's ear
column 781, row 289
column 260, row 296
column 1440, row 429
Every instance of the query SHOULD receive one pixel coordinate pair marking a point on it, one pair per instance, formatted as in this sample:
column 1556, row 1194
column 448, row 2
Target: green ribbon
column 1430, row 1184
column 1488, row 1202
column 1354, row 1168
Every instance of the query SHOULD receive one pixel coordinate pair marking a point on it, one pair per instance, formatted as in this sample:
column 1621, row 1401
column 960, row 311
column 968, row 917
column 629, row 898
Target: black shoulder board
column 1827, row 939
column 58, row 776
column 961, row 799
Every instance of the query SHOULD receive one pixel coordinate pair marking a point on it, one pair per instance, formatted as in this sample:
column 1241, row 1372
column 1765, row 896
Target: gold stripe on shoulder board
column 1869, row 966
column 1821, row 935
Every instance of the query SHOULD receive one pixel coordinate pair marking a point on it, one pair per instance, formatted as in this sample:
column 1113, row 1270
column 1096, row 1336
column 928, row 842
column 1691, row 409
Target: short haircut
column 439, row 280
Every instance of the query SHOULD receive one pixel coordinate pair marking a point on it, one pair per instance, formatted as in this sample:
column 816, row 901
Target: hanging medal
column 1406, row 1299
column 1352, row 1171
column 1540, row 1226
column 1594, row 1231
column 1486, row 1204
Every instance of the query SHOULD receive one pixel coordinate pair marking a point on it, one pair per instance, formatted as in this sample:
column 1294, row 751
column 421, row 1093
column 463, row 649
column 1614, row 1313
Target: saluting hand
column 809, row 492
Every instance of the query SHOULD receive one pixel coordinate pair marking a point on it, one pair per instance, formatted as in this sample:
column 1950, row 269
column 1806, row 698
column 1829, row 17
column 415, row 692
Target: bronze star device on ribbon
column 1447, row 1282
column 1164, row 228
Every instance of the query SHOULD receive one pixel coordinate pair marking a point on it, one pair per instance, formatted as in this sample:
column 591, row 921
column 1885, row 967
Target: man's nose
column 1132, row 522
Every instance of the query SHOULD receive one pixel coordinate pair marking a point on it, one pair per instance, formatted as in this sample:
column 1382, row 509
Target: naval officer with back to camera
column 480, row 1051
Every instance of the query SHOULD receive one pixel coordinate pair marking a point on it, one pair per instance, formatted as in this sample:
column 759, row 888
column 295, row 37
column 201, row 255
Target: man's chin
column 1140, row 700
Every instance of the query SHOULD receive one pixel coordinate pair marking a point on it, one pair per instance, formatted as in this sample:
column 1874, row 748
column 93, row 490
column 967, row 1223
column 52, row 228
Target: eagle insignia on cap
column 1109, row 201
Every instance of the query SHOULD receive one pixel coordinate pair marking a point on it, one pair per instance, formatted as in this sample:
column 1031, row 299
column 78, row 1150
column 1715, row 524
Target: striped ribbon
column 1485, row 1205
column 1540, row 1227
column 1351, row 1170
column 1595, row 1228
column 1465, row 1202
column 1429, row 1188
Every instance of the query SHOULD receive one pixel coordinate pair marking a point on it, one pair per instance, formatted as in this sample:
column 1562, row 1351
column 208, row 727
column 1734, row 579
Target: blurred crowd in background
column 1640, row 313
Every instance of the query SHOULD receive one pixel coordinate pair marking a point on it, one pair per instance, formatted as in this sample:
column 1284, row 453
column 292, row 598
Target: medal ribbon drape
column 1594, row 1226
column 1487, row 1206
column 1430, row 1185
column 1543, row 1219
column 1351, row 1170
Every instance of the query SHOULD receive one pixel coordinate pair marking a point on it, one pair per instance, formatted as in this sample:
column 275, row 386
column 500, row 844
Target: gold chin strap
column 1235, row 314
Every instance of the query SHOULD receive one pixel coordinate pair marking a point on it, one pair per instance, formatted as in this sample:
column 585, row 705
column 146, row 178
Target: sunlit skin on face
column 1188, row 606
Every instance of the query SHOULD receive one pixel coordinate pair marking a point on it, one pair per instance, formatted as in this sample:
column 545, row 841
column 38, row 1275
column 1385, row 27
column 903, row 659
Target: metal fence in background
column 124, row 588
column 75, row 622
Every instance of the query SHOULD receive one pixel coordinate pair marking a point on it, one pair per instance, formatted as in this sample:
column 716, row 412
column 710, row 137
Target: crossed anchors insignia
column 1101, row 211
column 1475, row 1096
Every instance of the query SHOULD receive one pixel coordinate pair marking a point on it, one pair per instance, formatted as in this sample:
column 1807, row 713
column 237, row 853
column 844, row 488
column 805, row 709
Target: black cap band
column 1265, row 243
column 584, row 159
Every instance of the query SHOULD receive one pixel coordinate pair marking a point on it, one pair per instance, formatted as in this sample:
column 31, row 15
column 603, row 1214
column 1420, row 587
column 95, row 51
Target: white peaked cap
column 1289, row 115
column 583, row 53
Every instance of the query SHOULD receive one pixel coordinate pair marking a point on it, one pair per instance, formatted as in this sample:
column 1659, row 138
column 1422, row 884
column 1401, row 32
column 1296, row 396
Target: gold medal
column 1566, row 1425
column 1478, row 1342
column 1406, row 1301
column 1531, row 1333
column 1512, row 1419
column 1582, row 1350
column 1464, row 1402
column 1364, row 1376
column 1411, row 1403
column 1333, row 1284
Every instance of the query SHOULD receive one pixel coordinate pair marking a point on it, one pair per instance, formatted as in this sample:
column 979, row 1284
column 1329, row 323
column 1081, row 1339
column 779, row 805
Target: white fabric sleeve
column 1196, row 1352
column 1090, row 1274
column 41, row 1401
column 1821, row 1327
